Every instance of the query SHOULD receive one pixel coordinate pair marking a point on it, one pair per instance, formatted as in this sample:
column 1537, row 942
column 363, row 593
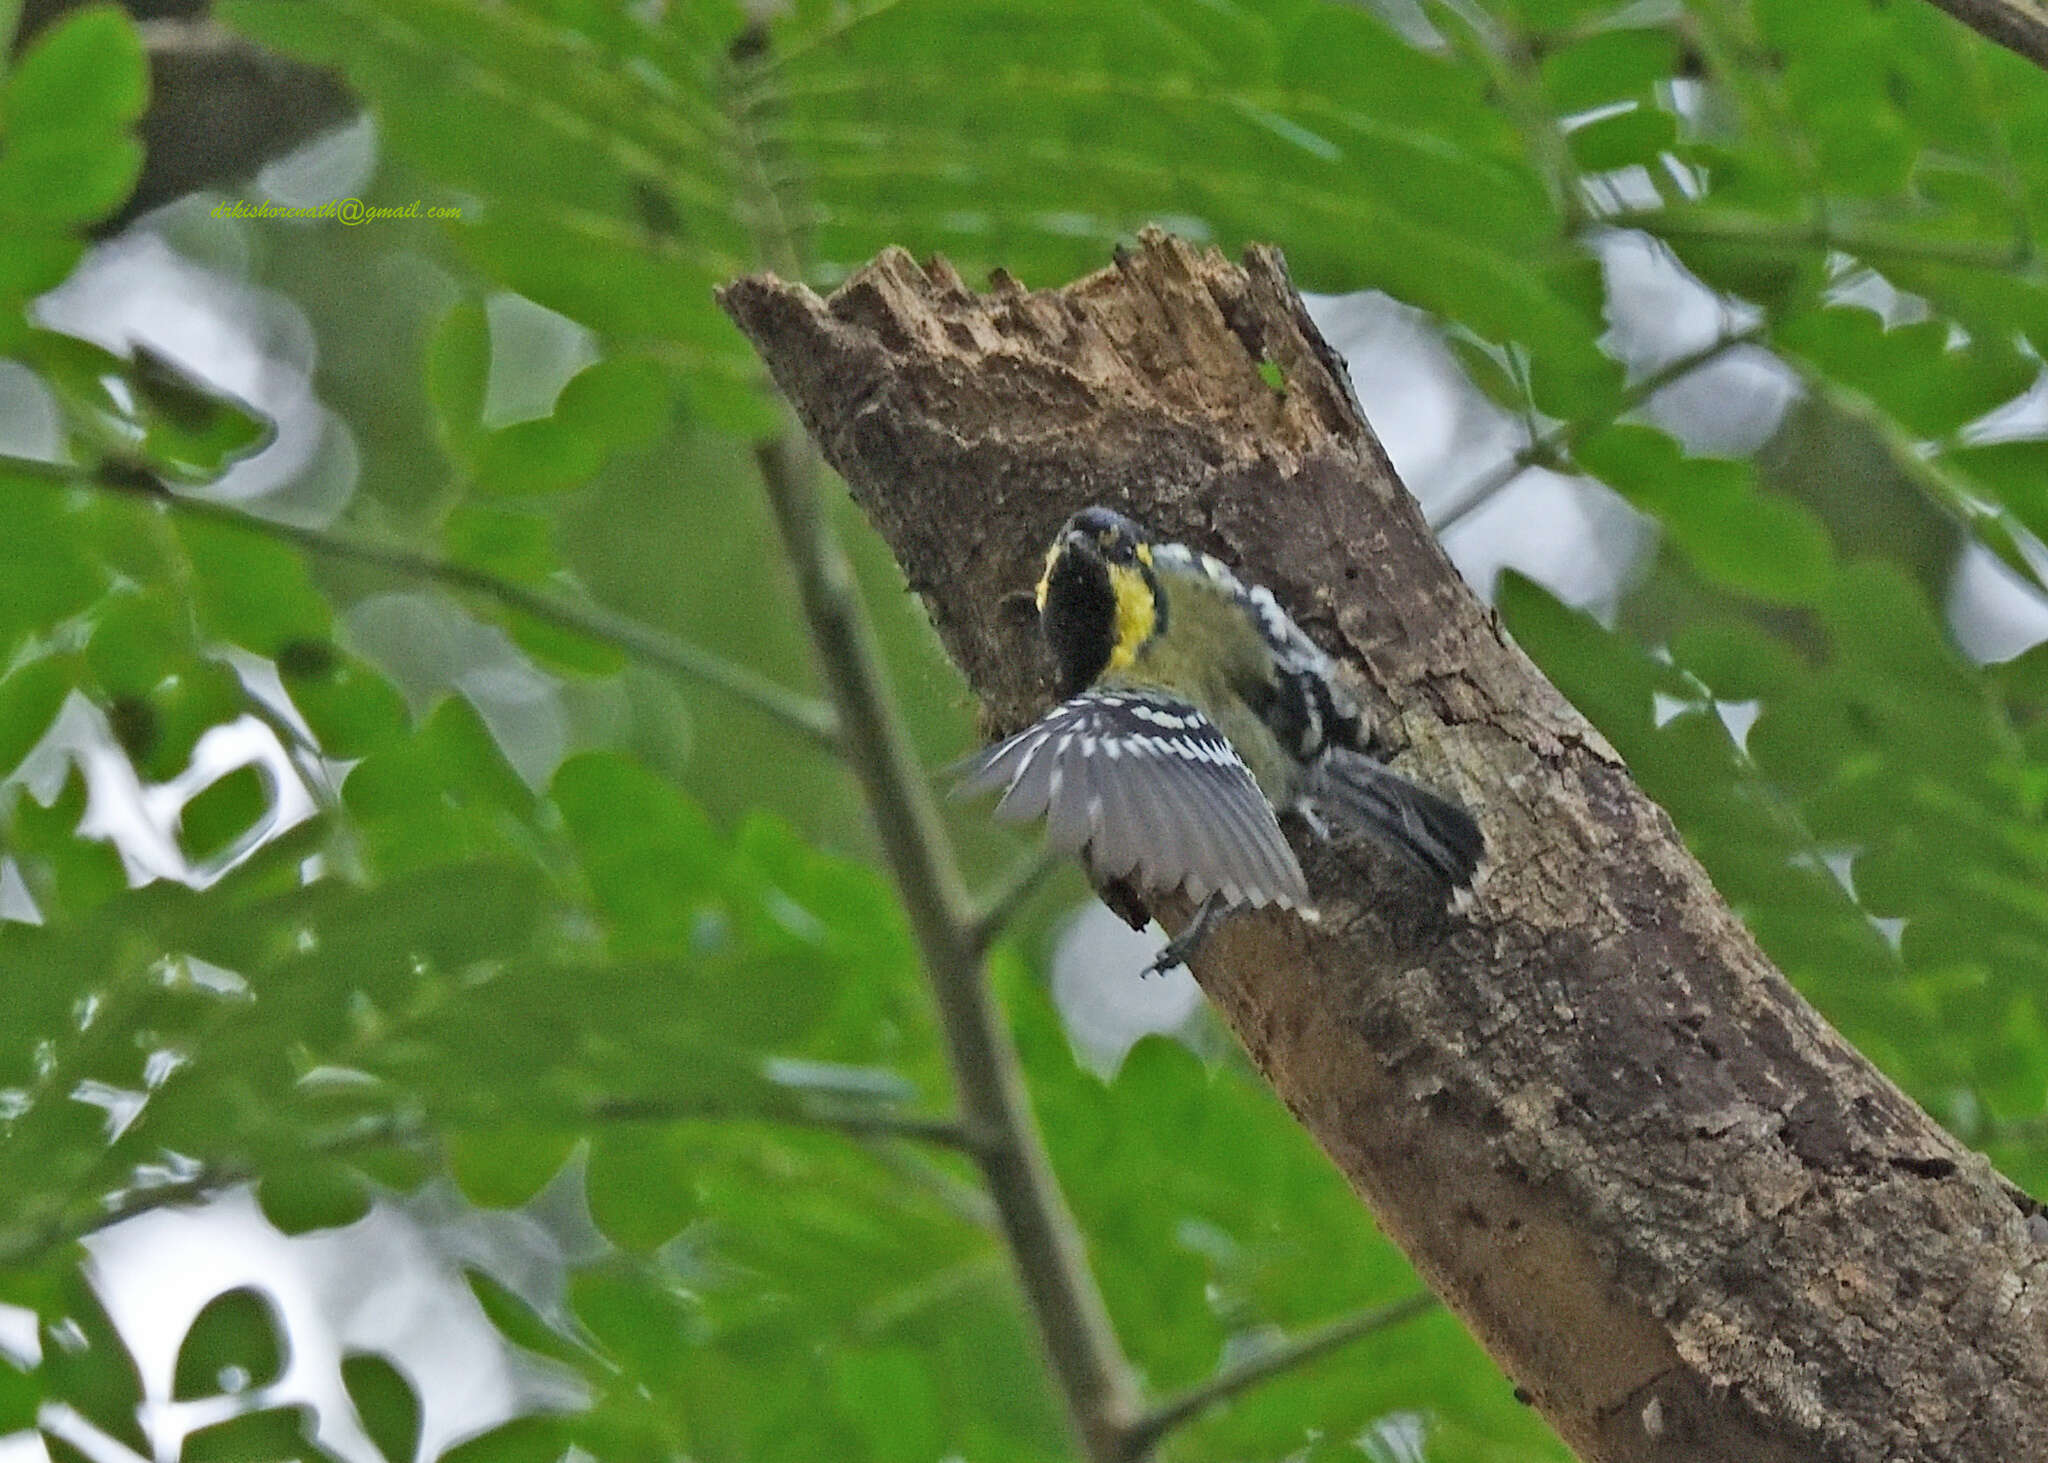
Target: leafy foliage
column 597, row 962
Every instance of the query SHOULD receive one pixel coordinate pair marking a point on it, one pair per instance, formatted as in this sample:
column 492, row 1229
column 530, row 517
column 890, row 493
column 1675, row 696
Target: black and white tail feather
column 1431, row 834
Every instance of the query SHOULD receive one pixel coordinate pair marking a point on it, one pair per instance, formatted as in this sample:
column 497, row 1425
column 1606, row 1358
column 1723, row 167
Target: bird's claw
column 1179, row 950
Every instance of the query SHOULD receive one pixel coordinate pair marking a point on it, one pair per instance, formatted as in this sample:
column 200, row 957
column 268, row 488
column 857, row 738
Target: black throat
column 1079, row 619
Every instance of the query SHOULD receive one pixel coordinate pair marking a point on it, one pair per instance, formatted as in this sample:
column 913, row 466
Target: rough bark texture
column 1676, row 1206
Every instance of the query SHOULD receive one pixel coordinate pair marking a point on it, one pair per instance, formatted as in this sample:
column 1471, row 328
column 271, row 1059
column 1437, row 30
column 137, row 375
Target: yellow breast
column 1137, row 614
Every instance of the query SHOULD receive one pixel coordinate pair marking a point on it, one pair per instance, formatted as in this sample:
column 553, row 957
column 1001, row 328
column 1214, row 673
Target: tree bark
column 1685, row 1216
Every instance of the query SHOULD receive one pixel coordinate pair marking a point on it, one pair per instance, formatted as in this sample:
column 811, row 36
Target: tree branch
column 1045, row 1246
column 799, row 713
column 1686, row 1217
column 1144, row 1434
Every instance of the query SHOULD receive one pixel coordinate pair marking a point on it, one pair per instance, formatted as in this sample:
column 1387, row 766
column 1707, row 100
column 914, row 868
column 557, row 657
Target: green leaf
column 1738, row 661
column 86, row 1366
column 459, row 377
column 1636, row 136
column 520, row 1324
column 1929, row 385
column 442, row 795
column 1608, row 66
column 68, row 874
column 1489, row 368
column 138, row 640
column 386, row 1402
column 274, row 1432
column 400, row 1170
column 1769, row 547
column 148, row 413
column 193, row 432
column 619, row 290
column 640, row 1185
column 1613, row 686
column 891, row 1399
column 30, row 699
column 647, row 853
column 317, row 1194
column 250, row 590
column 611, row 406
column 55, row 179
column 638, row 1316
column 2013, row 473
column 564, row 650
column 507, row 542
column 522, row 1440
column 21, row 1397
column 236, row 1344
column 350, row 708
column 541, row 456
column 30, row 264
column 729, row 398
column 45, row 573
column 85, row 70
column 158, row 731
column 21, row 1392
column 622, row 401
column 225, row 812
column 503, row 1168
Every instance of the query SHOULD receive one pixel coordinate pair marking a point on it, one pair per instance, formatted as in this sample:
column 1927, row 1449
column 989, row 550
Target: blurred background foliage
column 547, row 997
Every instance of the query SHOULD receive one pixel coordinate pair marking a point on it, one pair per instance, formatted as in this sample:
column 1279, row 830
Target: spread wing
column 1143, row 786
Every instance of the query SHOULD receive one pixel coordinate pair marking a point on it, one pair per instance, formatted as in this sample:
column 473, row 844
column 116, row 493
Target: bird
column 1194, row 712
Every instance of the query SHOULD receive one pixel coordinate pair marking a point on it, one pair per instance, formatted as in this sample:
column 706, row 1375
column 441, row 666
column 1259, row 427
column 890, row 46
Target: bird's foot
column 1179, row 950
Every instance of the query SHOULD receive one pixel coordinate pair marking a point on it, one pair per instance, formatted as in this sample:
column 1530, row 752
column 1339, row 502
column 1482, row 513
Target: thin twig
column 798, row 712
column 1144, row 1434
column 855, row 1121
column 1869, row 243
column 1044, row 1243
column 1553, row 444
column 401, row 1130
column 394, row 1129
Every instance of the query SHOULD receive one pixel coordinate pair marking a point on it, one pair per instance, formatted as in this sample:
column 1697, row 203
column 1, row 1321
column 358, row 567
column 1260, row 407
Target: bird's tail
column 1430, row 832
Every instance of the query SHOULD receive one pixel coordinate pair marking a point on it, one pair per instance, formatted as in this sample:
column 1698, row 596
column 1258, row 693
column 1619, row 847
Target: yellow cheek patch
column 1052, row 557
column 1136, row 615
